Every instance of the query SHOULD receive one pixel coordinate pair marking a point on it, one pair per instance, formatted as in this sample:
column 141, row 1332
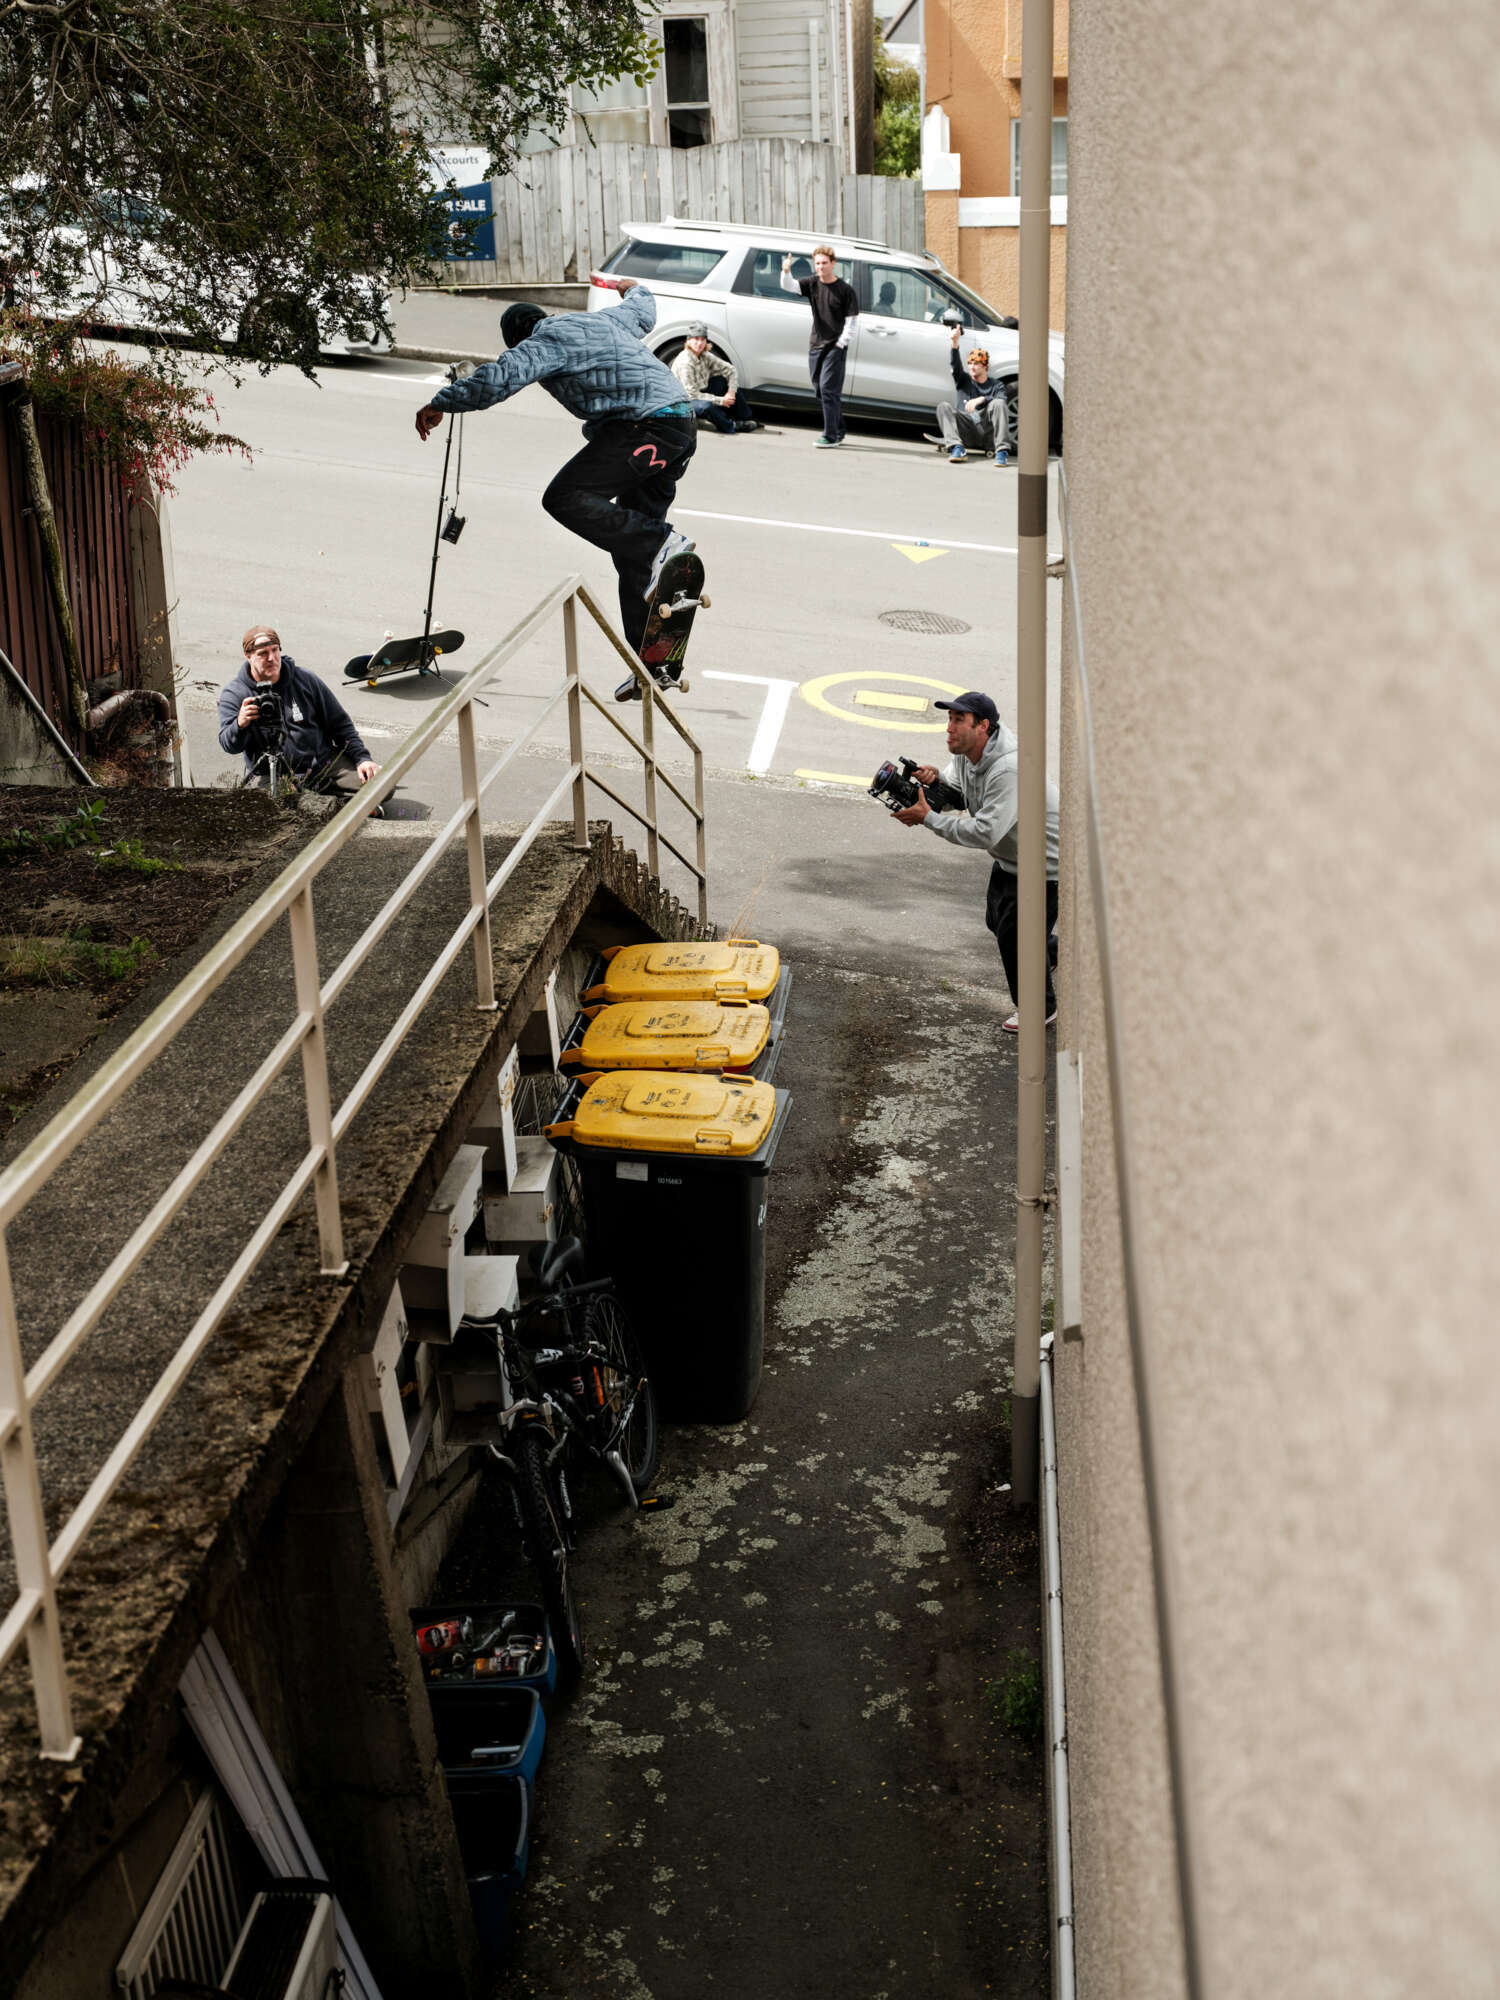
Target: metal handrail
column 32, row 1617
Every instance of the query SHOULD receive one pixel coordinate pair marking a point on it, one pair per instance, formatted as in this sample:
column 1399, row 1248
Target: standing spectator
column 980, row 418
column 835, row 307
column 712, row 384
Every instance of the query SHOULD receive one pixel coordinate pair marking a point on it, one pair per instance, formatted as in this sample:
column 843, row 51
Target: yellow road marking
column 832, row 778
column 872, row 698
column 916, row 552
column 816, row 692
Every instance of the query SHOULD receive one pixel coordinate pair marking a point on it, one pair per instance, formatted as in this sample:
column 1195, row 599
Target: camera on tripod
column 896, row 786
column 270, row 712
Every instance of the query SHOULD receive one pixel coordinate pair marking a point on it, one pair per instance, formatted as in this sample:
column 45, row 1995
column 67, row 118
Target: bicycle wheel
column 546, row 1536
column 628, row 1394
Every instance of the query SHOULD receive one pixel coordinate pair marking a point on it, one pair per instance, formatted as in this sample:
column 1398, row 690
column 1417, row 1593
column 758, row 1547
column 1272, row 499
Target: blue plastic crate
column 484, row 1619
column 493, row 1818
column 494, row 1731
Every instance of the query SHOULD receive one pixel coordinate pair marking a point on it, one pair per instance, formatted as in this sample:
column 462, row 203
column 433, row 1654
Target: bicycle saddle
column 553, row 1262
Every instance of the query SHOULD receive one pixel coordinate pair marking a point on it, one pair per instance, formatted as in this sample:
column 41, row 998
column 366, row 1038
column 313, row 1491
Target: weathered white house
column 743, row 69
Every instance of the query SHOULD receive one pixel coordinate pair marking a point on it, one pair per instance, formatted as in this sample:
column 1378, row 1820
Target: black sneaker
column 628, row 690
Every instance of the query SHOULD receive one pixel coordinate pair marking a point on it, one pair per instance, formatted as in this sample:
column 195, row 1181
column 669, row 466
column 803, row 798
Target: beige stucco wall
column 1282, row 384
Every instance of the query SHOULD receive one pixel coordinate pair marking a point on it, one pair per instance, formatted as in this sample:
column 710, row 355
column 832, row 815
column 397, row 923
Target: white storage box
column 452, row 1209
column 528, row 1213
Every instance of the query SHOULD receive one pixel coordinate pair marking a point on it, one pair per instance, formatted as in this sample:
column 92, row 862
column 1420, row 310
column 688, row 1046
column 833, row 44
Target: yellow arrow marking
column 915, row 552
column 871, row 698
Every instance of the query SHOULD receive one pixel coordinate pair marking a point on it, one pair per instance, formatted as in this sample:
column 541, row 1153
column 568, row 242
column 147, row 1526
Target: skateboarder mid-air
column 616, row 492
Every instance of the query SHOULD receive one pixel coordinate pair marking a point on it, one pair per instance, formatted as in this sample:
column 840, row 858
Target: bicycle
column 571, row 1375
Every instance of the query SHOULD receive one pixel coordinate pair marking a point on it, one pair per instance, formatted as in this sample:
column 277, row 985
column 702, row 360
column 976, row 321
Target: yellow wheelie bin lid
column 737, row 969
column 671, row 1034
column 662, row 1111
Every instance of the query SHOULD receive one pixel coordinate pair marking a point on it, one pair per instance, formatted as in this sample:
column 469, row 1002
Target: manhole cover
column 935, row 624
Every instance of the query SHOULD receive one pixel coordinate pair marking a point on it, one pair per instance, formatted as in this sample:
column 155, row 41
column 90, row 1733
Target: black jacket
column 965, row 384
column 317, row 725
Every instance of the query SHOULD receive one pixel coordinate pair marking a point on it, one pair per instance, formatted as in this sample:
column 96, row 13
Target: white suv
column 728, row 275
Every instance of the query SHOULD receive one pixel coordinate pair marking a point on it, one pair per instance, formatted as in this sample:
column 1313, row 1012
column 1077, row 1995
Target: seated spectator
column 980, row 418
column 712, row 384
column 273, row 707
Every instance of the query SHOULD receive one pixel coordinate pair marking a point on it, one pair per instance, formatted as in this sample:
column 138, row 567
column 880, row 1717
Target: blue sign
column 466, row 206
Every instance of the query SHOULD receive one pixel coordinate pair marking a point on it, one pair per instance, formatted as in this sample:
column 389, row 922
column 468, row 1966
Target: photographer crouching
column 982, row 782
column 274, row 713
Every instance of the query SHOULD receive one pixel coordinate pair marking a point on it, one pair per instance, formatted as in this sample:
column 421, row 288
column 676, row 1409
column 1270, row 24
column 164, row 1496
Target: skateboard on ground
column 663, row 647
column 400, row 656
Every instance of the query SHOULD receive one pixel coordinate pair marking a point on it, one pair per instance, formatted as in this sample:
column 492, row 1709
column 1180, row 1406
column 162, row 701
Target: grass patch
column 81, row 828
column 131, row 855
column 65, row 961
column 1016, row 1697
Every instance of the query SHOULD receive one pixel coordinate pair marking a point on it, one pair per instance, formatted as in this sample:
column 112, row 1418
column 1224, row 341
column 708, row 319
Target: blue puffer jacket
column 592, row 363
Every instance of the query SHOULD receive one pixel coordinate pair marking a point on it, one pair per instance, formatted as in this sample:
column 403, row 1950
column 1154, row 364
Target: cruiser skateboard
column 400, row 656
column 663, row 647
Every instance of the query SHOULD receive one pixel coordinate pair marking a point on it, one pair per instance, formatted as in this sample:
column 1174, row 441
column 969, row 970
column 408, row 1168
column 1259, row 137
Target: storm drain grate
column 935, row 624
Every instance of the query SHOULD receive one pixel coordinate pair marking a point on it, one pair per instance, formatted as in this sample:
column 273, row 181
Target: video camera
column 896, row 786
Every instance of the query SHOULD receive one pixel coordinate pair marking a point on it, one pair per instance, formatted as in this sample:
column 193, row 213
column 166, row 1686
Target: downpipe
column 1063, row 1973
column 152, row 706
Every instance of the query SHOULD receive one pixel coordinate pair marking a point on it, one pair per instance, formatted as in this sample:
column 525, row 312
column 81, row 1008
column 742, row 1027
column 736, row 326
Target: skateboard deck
column 663, row 647
column 400, row 656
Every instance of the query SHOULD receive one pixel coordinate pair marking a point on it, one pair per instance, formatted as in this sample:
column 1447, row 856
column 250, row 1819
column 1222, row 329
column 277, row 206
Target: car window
column 761, row 276
column 973, row 308
column 675, row 263
column 901, row 293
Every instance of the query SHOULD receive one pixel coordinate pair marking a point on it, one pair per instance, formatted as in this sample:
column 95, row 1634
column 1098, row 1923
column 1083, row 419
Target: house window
column 685, row 73
column 1059, row 156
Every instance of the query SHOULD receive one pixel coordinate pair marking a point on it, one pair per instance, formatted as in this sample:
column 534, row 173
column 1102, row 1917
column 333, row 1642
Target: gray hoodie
column 991, row 790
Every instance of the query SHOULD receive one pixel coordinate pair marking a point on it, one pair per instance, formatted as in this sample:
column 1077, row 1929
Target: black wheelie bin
column 674, row 1169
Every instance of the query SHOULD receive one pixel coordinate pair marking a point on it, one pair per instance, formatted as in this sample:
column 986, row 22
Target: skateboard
column 663, row 647
column 399, row 656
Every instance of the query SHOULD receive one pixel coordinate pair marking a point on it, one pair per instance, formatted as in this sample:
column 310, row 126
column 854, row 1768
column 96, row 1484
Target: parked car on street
column 728, row 275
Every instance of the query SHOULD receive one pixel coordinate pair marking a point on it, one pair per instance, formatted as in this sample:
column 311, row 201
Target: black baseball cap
column 973, row 703
column 519, row 320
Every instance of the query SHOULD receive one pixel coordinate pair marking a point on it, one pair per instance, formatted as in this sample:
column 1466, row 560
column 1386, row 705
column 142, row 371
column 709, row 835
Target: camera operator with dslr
column 984, row 770
column 274, row 708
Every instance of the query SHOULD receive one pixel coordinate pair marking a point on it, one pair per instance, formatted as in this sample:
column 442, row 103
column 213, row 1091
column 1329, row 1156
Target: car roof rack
column 809, row 236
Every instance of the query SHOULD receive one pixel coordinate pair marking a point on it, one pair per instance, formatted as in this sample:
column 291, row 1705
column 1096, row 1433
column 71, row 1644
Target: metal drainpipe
column 1031, row 723
column 1063, row 1979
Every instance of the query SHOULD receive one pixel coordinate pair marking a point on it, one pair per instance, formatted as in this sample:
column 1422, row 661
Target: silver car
column 728, row 275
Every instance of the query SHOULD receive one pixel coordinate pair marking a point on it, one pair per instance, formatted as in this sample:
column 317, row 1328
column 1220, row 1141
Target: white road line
column 868, row 534
column 778, row 697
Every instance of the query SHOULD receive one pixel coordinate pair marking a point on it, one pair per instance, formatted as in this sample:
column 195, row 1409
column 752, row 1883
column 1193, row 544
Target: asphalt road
column 327, row 531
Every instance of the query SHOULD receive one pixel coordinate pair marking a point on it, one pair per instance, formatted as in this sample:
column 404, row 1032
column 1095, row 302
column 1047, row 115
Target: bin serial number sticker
column 632, row 1170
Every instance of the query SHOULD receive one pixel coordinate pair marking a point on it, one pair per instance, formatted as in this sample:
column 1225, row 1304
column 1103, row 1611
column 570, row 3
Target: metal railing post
column 484, row 957
column 575, row 723
column 648, row 738
column 702, row 836
column 315, row 1082
column 28, row 1536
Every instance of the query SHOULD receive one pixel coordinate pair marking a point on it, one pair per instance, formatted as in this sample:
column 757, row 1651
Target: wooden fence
column 94, row 525
column 558, row 216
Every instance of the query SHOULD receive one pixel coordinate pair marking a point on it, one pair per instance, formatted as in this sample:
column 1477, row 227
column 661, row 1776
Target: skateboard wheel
column 706, row 601
column 372, row 683
column 666, row 611
column 682, row 687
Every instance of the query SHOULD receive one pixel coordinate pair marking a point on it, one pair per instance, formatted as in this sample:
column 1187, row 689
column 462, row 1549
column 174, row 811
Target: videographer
column 984, row 769
column 272, row 706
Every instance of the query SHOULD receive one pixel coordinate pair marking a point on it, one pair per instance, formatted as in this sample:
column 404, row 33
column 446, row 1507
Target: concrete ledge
column 167, row 1551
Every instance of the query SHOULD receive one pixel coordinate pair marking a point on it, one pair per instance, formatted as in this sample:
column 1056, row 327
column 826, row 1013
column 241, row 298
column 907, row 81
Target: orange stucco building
column 970, row 136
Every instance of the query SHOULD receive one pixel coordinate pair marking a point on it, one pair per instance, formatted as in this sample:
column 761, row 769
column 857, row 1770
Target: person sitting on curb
column 712, row 384
column 980, row 418
column 274, row 705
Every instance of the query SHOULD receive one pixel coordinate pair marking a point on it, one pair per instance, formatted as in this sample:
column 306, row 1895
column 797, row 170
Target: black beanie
column 517, row 321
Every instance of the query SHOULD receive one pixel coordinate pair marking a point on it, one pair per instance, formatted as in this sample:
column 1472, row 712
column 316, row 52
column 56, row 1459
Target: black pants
column 826, row 367
column 735, row 417
column 1001, row 908
column 642, row 460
